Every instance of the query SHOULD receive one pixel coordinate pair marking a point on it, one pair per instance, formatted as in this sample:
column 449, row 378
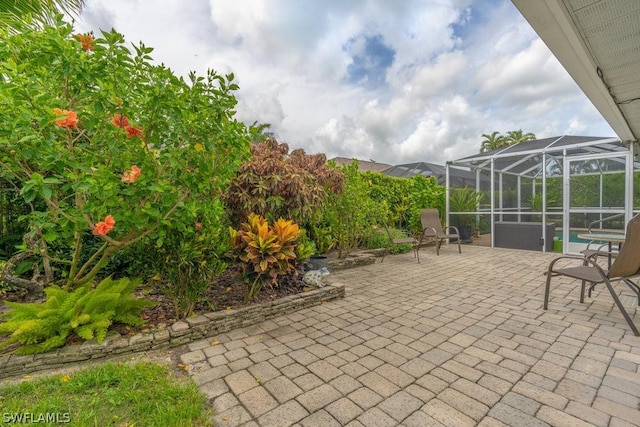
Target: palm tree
column 14, row 12
column 492, row 142
column 516, row 136
column 260, row 132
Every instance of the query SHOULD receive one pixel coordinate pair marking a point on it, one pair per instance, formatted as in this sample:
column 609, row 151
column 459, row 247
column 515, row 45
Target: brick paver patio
column 457, row 340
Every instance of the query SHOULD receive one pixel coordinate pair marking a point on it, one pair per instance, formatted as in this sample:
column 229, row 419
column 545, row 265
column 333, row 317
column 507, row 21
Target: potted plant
column 323, row 241
column 464, row 200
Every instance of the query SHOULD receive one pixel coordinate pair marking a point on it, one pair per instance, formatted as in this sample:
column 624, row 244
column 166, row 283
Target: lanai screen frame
column 526, row 160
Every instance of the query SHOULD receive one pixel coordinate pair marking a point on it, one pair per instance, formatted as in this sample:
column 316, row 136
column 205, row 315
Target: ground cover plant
column 140, row 394
column 40, row 327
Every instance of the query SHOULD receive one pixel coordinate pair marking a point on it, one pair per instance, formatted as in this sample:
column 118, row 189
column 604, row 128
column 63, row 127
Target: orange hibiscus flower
column 86, row 40
column 103, row 227
column 120, row 121
column 131, row 175
column 66, row 119
column 133, row 131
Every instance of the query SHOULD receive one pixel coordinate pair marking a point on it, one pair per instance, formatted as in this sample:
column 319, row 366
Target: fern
column 40, row 327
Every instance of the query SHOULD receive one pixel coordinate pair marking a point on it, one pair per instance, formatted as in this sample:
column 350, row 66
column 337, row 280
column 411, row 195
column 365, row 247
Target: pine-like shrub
column 87, row 312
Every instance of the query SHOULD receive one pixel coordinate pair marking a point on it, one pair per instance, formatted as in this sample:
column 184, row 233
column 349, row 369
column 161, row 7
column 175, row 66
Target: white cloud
column 460, row 68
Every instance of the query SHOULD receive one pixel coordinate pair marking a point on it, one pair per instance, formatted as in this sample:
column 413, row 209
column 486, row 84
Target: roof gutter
column 553, row 23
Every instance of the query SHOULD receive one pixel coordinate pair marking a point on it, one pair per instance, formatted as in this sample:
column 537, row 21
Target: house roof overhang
column 598, row 43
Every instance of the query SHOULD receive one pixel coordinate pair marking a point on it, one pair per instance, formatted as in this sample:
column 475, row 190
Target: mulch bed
column 227, row 292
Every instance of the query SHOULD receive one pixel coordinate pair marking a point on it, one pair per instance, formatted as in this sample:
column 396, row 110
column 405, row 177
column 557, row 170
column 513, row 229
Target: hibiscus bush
column 103, row 144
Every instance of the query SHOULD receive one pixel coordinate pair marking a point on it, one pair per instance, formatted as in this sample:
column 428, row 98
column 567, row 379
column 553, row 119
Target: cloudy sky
column 393, row 81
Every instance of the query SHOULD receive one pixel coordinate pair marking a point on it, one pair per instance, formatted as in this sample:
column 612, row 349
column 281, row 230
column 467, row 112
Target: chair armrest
column 452, row 227
column 575, row 257
column 595, row 254
column 601, row 250
column 583, row 261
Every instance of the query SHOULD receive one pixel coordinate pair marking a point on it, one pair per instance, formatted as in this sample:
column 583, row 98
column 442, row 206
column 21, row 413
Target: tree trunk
column 32, row 286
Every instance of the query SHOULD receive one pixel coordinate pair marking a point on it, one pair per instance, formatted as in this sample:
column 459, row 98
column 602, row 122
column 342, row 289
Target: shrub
column 425, row 193
column 305, row 248
column 39, row 327
column 464, row 200
column 348, row 217
column 266, row 252
column 188, row 261
column 104, row 145
column 12, row 208
column 392, row 191
column 380, row 239
column 276, row 184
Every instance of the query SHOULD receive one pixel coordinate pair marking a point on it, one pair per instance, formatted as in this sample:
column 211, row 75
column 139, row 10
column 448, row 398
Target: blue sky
column 392, row 81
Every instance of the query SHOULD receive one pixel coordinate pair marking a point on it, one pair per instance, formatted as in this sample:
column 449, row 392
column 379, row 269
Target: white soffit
column 598, row 43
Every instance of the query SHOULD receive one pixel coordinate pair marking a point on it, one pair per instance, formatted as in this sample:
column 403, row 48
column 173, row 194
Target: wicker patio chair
column 432, row 229
column 626, row 266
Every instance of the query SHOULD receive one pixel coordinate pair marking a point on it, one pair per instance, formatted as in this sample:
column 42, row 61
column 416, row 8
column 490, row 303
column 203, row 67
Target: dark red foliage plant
column 278, row 184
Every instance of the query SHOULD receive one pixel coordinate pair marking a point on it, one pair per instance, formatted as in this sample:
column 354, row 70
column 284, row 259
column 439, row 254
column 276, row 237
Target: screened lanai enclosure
column 548, row 193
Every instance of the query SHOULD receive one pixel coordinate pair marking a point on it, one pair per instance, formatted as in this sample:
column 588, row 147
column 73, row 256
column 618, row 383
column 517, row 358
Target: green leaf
column 46, row 192
column 26, row 138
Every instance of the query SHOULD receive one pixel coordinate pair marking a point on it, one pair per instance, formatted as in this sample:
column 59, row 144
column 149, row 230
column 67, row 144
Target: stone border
column 180, row 333
column 357, row 259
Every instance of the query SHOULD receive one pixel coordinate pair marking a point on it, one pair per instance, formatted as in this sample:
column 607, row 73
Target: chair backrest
column 388, row 230
column 627, row 263
column 431, row 218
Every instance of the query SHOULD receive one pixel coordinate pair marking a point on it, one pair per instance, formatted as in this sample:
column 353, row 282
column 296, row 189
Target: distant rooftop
column 457, row 177
column 363, row 165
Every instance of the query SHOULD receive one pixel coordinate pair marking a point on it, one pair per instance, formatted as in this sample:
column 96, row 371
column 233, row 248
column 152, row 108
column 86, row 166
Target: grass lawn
column 140, row 394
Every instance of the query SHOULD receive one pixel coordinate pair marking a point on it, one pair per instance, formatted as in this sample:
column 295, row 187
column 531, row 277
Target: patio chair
column 432, row 229
column 394, row 241
column 626, row 265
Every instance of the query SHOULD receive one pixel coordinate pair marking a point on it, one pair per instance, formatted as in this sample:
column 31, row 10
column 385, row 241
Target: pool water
column 573, row 236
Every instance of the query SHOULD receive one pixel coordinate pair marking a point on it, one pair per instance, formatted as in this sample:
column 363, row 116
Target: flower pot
column 318, row 261
column 466, row 233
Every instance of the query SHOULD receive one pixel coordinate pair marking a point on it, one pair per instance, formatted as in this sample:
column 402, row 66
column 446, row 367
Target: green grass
column 140, row 395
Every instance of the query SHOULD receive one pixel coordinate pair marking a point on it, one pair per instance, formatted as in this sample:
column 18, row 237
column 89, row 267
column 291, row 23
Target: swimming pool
column 573, row 236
